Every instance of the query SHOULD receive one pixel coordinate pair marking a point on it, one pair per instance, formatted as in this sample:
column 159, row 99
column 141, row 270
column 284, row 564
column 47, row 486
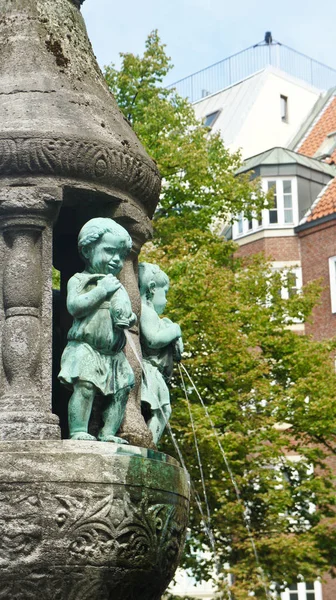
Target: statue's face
column 108, row 254
column 159, row 299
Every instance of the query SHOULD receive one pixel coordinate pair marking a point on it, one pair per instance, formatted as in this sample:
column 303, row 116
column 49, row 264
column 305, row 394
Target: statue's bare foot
column 111, row 438
column 82, row 435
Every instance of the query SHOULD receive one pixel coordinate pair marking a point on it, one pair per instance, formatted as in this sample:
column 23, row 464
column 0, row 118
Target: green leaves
column 270, row 392
column 199, row 182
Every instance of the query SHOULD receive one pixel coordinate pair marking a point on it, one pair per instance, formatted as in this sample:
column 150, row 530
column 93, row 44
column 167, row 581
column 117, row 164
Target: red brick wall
column 328, row 588
column 317, row 245
column 275, row 248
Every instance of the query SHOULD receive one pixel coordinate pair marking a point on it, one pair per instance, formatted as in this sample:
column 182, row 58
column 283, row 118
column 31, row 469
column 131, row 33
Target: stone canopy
column 58, row 118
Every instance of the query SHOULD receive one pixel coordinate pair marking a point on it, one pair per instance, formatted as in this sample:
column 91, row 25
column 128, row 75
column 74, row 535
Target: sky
column 201, row 32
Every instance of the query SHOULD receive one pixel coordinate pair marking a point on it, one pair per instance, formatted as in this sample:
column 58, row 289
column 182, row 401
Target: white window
column 283, row 208
column 332, row 279
column 273, row 210
column 282, row 211
column 288, row 201
column 284, row 108
column 240, row 223
column 292, row 282
column 303, row 591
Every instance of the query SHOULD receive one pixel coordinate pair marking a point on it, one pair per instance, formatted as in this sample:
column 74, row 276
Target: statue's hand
column 109, row 283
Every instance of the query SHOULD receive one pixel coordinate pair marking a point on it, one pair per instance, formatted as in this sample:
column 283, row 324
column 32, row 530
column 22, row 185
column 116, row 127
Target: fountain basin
column 89, row 520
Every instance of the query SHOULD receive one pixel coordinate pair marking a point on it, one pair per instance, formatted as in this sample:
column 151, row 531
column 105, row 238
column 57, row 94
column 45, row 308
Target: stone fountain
column 79, row 520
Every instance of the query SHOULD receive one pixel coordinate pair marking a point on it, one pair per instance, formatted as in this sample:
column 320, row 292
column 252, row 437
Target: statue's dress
column 157, row 368
column 94, row 352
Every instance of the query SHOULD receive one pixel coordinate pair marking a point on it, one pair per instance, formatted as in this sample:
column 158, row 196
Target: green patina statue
column 93, row 361
column 161, row 344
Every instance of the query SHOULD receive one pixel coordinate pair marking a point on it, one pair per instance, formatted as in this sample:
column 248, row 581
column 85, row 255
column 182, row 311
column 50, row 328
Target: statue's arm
column 156, row 335
column 79, row 305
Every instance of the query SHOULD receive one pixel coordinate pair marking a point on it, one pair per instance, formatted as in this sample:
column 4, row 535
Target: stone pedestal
column 89, row 521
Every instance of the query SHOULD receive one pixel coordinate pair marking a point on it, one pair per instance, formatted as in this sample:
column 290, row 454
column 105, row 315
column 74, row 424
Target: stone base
column 89, row 521
column 27, row 426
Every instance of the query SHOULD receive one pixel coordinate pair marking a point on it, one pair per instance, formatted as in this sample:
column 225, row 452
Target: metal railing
column 251, row 60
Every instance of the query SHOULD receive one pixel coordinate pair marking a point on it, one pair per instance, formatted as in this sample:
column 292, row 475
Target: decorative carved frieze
column 81, row 526
column 80, row 159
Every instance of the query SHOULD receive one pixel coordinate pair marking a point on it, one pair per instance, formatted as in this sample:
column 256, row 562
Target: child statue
column 161, row 344
column 93, row 361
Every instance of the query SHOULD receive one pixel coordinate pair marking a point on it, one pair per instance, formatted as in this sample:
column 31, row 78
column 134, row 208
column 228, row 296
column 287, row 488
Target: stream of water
column 234, row 484
column 206, row 519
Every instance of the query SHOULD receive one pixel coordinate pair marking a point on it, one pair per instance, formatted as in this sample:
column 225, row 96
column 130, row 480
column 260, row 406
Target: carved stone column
column 134, row 428
column 26, row 217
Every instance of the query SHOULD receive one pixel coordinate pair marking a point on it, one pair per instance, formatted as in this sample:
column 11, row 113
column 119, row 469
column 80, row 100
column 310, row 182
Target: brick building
column 299, row 230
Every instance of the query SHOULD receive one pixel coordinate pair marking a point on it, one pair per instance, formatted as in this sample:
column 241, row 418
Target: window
column 284, row 108
column 288, row 201
column 332, row 280
column 283, row 206
column 282, row 211
column 303, row 591
column 273, row 212
column 293, row 592
column 327, row 147
column 210, row 119
column 240, row 223
column 291, row 280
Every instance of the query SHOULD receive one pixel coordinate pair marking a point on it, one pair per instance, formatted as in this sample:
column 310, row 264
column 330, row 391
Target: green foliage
column 198, row 172
column 270, row 392
column 56, row 279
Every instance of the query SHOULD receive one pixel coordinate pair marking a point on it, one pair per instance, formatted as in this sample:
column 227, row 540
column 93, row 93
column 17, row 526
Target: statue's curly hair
column 94, row 229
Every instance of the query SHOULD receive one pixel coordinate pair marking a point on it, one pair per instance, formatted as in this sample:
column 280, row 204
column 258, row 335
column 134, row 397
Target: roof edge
column 315, row 114
column 315, row 222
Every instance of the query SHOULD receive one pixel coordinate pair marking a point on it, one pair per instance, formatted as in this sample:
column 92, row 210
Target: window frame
column 332, row 282
column 280, row 197
column 284, row 103
column 302, row 591
column 262, row 221
column 215, row 114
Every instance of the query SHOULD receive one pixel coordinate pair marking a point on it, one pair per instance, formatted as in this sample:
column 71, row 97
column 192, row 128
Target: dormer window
column 327, row 147
column 211, row 118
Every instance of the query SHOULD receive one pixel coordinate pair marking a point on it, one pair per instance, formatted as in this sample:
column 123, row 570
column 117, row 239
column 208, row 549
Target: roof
column 234, row 104
column 320, row 123
column 324, row 205
column 314, row 116
column 325, row 124
column 283, row 156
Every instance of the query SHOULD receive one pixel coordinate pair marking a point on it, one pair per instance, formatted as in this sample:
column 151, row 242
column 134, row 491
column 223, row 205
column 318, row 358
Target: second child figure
column 93, row 361
column 161, row 344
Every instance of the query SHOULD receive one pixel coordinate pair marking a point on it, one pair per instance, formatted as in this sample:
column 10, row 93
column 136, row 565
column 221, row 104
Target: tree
column 199, row 181
column 269, row 393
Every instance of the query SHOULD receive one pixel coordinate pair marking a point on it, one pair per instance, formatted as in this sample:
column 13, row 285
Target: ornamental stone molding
column 57, row 116
column 82, row 523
